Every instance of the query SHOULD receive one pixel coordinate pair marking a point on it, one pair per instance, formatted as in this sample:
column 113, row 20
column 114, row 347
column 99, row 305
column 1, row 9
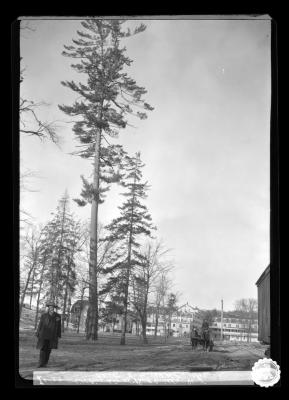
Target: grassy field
column 106, row 354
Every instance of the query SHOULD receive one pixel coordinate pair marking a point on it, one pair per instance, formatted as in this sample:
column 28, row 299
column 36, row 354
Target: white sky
column 205, row 146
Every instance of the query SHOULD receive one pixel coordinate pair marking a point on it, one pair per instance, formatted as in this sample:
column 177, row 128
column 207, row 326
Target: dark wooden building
column 263, row 285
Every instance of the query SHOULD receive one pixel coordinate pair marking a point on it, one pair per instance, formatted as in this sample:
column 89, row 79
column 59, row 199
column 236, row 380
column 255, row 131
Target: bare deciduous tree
column 152, row 267
column 32, row 239
column 161, row 288
column 30, row 123
column 249, row 307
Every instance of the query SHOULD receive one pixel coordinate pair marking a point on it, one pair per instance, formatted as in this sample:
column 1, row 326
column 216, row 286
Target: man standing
column 48, row 332
column 205, row 325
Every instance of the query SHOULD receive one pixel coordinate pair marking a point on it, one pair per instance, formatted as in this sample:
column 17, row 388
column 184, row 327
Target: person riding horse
column 204, row 338
column 205, row 325
column 206, row 335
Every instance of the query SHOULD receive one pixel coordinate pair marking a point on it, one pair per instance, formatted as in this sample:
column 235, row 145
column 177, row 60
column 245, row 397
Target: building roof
column 187, row 305
column 78, row 302
column 263, row 276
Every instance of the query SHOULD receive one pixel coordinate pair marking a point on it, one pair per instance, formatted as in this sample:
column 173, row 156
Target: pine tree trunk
column 124, row 325
column 92, row 314
column 122, row 339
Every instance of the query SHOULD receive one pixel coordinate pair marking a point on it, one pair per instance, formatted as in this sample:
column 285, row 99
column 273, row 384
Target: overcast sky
column 205, row 145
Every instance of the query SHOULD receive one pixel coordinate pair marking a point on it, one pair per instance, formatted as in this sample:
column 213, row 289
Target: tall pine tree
column 108, row 96
column 134, row 224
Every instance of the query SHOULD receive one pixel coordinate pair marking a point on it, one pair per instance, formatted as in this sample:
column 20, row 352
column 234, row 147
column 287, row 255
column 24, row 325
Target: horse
column 195, row 338
column 206, row 340
column 194, row 342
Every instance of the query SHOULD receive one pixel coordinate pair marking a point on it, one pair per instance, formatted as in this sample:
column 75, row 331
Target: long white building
column 179, row 324
column 235, row 328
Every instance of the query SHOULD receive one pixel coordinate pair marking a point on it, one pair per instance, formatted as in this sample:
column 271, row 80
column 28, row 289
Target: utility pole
column 221, row 320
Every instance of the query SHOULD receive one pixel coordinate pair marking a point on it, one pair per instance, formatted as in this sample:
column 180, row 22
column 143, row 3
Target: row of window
column 238, row 325
column 229, row 330
column 149, row 325
column 181, row 325
column 235, row 320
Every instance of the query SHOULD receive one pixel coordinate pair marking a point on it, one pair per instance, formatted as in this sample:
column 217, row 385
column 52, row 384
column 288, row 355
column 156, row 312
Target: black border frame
column 274, row 199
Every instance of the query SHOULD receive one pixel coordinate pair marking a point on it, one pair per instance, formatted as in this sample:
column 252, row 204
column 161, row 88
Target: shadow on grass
column 201, row 369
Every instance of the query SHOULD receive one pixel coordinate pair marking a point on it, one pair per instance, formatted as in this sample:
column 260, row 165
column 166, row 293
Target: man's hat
column 51, row 304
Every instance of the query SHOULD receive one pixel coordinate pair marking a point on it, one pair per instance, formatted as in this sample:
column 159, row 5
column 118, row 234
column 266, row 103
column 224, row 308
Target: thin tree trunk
column 52, row 294
column 122, row 339
column 92, row 314
column 32, row 287
column 69, row 307
column 80, row 311
column 27, row 283
column 144, row 329
column 65, row 300
column 157, row 322
column 38, row 295
column 69, row 262
column 169, row 326
column 24, row 292
column 250, row 329
column 37, row 305
column 144, row 315
column 57, row 289
column 124, row 325
column 145, row 339
column 166, row 326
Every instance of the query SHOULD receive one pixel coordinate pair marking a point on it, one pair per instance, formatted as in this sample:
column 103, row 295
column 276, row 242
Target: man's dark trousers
column 45, row 353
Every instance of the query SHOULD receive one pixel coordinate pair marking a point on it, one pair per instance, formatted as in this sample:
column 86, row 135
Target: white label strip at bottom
column 141, row 378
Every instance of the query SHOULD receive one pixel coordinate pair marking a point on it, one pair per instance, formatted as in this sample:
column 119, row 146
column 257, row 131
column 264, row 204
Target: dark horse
column 195, row 339
column 206, row 340
column 194, row 342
